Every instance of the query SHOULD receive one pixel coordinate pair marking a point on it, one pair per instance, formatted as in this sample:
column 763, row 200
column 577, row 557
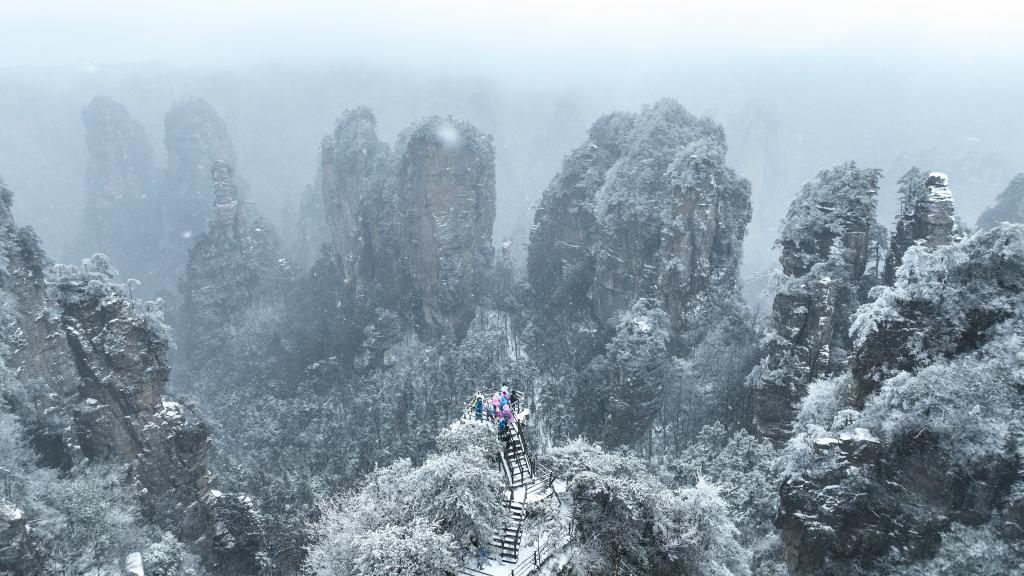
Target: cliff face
column 412, row 229
column 826, row 243
column 353, row 165
column 926, row 217
column 1009, row 206
column 35, row 327
column 91, row 375
column 914, row 451
column 646, row 208
column 445, row 193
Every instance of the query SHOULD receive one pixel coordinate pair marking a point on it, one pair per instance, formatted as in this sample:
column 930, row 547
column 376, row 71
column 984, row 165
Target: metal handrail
column 543, row 552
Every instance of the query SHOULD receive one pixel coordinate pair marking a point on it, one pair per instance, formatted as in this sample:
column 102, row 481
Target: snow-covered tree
column 627, row 521
column 453, row 497
column 925, row 427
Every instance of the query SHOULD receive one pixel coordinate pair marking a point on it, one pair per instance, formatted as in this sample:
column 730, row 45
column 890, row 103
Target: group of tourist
column 498, row 409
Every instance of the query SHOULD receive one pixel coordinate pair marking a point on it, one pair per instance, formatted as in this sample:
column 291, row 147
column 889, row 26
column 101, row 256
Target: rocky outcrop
column 1009, row 206
column 951, row 310
column 92, row 371
column 825, row 520
column 232, row 270
column 921, row 438
column 412, row 229
column 926, row 217
column 826, row 243
column 122, row 210
column 646, row 208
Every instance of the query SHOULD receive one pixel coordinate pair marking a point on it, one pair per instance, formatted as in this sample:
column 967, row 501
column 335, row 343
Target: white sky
column 508, row 37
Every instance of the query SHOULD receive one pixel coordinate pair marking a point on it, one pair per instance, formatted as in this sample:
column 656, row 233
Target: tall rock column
column 412, row 230
column 229, row 270
column 825, row 241
column 645, row 208
column 195, row 137
column 122, row 216
column 445, row 197
column 353, row 163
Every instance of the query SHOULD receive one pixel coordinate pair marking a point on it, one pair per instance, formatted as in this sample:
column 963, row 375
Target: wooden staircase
column 523, row 485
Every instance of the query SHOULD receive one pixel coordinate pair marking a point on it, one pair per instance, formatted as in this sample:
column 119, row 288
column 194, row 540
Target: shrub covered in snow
column 455, row 496
column 626, row 517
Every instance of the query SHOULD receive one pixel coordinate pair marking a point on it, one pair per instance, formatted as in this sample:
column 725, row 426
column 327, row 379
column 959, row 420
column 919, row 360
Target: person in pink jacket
column 509, row 416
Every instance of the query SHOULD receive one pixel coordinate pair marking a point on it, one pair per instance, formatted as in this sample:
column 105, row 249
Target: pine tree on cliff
column 1009, row 206
column 826, row 242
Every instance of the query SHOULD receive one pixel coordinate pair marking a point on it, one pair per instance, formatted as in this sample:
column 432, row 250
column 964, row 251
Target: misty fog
column 796, row 86
column 479, row 288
